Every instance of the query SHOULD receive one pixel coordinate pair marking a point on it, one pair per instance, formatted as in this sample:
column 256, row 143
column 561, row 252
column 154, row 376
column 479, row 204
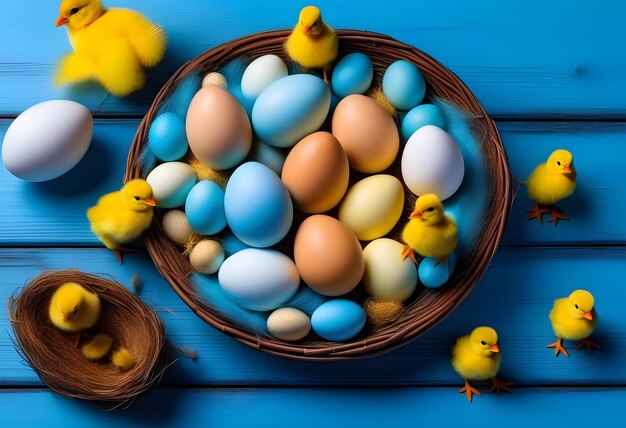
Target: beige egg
column 289, row 324
column 386, row 275
column 216, row 79
column 176, row 227
column 207, row 256
column 367, row 132
column 218, row 129
column 316, row 173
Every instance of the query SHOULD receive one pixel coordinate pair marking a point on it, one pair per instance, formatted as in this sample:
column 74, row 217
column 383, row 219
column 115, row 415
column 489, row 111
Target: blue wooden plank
column 529, row 59
column 397, row 407
column 514, row 297
column 52, row 213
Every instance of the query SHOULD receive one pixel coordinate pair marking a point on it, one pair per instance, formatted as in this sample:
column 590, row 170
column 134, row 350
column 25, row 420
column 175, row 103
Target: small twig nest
column 59, row 362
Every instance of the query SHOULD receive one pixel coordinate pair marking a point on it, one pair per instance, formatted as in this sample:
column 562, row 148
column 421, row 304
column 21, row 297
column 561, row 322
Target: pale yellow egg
column 288, row 324
column 207, row 256
column 386, row 275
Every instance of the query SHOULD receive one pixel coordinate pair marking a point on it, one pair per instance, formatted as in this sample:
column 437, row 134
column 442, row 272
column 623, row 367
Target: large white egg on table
column 260, row 74
column 259, row 279
column 47, row 140
column 432, row 162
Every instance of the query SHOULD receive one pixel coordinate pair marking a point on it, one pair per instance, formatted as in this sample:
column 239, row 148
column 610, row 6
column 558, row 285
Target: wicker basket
column 427, row 309
column 59, row 362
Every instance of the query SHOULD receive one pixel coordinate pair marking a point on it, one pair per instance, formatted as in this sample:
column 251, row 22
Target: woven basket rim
column 442, row 83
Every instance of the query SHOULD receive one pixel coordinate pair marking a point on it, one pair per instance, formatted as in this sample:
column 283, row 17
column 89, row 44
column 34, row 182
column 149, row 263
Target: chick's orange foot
column 537, row 212
column 558, row 347
column 499, row 386
column 408, row 252
column 469, row 391
column 556, row 215
column 588, row 343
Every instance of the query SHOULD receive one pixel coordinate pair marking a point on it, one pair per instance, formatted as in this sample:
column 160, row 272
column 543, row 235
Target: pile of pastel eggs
column 317, row 182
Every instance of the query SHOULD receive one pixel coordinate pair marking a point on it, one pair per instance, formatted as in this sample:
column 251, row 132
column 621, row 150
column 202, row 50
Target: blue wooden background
column 553, row 74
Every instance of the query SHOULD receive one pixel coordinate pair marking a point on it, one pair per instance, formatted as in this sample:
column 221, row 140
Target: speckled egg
column 171, row 182
column 206, row 256
column 215, row 78
column 176, row 227
column 386, row 275
column 289, row 324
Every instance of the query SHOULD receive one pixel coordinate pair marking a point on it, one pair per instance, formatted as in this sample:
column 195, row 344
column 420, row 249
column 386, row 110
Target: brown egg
column 316, row 173
column 367, row 132
column 328, row 256
column 218, row 129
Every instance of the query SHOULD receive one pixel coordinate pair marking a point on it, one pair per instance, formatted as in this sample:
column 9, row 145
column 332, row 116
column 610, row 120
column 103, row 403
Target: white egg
column 289, row 324
column 432, row 162
column 259, row 279
column 260, row 73
column 176, row 227
column 386, row 275
column 171, row 182
column 216, row 79
column 207, row 256
column 47, row 140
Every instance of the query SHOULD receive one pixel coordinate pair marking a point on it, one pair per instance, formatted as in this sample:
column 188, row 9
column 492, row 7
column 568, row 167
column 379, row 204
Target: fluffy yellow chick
column 573, row 318
column 123, row 359
column 477, row 357
column 429, row 232
column 312, row 43
column 110, row 45
column 549, row 183
column 122, row 216
column 74, row 308
column 98, row 347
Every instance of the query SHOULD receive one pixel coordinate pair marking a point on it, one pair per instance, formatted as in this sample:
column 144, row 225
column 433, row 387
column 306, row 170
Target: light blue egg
column 422, row 115
column 338, row 320
column 432, row 276
column 403, row 85
column 205, row 208
column 257, row 205
column 290, row 108
column 167, row 137
column 352, row 75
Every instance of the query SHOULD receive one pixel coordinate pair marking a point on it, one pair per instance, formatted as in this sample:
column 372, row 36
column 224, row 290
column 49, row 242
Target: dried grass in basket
column 428, row 308
column 59, row 362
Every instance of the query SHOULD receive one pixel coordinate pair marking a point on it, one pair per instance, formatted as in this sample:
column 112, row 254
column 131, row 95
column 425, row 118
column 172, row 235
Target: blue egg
column 403, row 85
column 422, row 115
column 432, row 276
column 352, row 75
column 257, row 205
column 167, row 137
column 205, row 208
column 338, row 320
column 290, row 108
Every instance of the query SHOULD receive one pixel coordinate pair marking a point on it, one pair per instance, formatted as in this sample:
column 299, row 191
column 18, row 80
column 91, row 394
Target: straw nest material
column 427, row 308
column 59, row 362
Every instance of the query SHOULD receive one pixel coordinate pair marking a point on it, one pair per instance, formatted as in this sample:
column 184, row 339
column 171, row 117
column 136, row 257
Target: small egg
column 288, row 324
column 260, row 74
column 432, row 276
column 207, row 256
column 215, row 78
column 404, row 85
column 176, row 227
column 171, row 182
column 422, row 115
column 386, row 275
column 205, row 208
column 352, row 75
column 167, row 138
column 338, row 320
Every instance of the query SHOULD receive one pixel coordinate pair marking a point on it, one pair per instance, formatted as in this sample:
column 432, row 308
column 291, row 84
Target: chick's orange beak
column 588, row 316
column 66, row 317
column 61, row 20
column 306, row 30
column 416, row 214
column 494, row 348
column 567, row 169
column 150, row 202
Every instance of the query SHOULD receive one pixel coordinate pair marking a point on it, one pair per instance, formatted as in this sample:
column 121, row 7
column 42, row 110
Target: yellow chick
column 573, row 318
column 312, row 43
column 477, row 357
column 122, row 216
column 74, row 308
column 551, row 182
column 98, row 347
column 429, row 232
column 110, row 45
column 122, row 359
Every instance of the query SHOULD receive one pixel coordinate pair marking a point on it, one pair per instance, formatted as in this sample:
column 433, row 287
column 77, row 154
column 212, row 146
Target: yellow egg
column 386, row 275
column 373, row 206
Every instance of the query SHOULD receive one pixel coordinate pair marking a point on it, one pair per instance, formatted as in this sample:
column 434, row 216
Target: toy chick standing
column 551, row 182
column 573, row 318
column 312, row 43
column 110, row 45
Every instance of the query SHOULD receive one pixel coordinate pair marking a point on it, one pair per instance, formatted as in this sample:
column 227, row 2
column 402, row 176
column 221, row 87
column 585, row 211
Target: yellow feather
column 98, row 347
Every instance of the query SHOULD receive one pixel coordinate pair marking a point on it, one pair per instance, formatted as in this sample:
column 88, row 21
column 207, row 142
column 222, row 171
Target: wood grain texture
column 514, row 297
column 404, row 407
column 52, row 213
column 529, row 59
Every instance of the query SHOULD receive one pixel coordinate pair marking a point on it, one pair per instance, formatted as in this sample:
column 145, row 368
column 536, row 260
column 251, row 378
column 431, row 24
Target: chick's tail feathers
column 148, row 41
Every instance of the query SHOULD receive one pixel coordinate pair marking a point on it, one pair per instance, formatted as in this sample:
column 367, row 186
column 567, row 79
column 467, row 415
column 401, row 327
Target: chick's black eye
column 558, row 163
column 137, row 198
column 482, row 342
column 431, row 209
column 576, row 306
column 74, row 10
